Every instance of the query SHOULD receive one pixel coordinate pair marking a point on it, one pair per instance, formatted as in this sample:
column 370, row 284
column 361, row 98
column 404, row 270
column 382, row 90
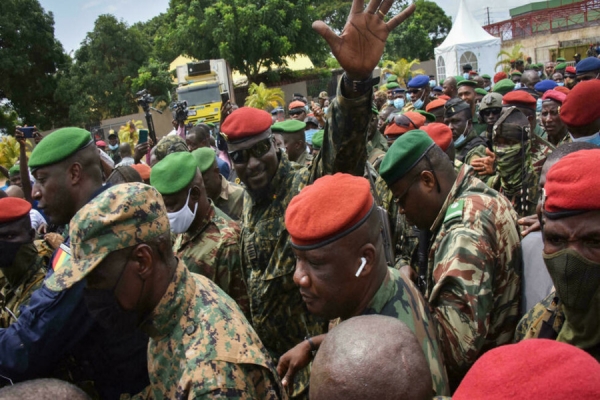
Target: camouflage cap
column 490, row 100
column 168, row 145
column 122, row 216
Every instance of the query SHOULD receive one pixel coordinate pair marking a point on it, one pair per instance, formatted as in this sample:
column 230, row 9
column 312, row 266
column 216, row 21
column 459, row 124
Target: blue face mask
column 593, row 139
column 466, row 75
column 461, row 139
column 325, row 110
column 390, row 102
column 418, row 104
column 399, row 103
column 539, row 73
column 308, row 134
column 113, row 147
column 517, row 85
column 488, row 88
column 560, row 83
column 432, row 83
column 538, row 105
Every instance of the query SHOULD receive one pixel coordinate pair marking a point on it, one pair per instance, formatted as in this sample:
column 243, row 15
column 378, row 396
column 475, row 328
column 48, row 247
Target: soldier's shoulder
column 533, row 318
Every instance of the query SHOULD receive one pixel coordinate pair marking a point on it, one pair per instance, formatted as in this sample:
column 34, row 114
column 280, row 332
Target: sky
column 74, row 18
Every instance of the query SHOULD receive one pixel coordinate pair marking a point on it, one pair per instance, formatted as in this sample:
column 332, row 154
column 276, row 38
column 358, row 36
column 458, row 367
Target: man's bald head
column 370, row 357
column 530, row 78
column 43, row 389
column 15, row 191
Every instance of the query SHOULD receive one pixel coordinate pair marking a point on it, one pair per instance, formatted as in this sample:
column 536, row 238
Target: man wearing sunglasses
column 297, row 110
column 419, row 89
column 277, row 311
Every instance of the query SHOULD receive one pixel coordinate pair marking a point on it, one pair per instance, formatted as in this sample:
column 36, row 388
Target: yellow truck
column 202, row 85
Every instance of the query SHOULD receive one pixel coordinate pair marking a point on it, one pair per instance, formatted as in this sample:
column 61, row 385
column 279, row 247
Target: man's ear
column 145, row 257
column 74, row 173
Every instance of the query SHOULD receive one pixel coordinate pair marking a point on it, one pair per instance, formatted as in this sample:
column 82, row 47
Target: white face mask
column 181, row 220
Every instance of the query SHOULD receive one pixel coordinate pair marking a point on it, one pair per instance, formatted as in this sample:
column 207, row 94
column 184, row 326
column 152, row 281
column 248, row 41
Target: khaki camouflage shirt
column 231, row 199
column 399, row 298
column 213, row 251
column 278, row 312
column 473, row 277
column 202, row 347
column 17, row 295
column 305, row 159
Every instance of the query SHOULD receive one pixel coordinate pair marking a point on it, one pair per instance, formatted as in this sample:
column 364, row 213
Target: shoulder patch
column 455, row 210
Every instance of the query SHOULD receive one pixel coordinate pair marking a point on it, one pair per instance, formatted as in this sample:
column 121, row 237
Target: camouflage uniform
column 202, row 347
column 539, row 151
column 466, row 151
column 278, row 312
column 212, row 250
column 473, row 277
column 231, row 199
column 398, row 298
column 13, row 297
column 376, row 149
column 305, row 159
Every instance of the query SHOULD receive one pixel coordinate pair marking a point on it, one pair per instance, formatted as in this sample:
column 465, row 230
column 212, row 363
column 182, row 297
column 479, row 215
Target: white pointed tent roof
column 467, row 35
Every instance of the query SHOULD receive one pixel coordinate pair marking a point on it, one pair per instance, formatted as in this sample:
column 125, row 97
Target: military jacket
column 231, row 199
column 13, row 297
column 212, row 250
column 278, row 313
column 466, row 151
column 202, row 347
column 399, row 298
column 473, row 276
column 305, row 159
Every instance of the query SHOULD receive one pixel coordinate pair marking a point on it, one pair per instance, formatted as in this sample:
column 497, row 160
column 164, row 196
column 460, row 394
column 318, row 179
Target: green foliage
column 420, row 34
column 402, row 68
column 154, row 32
column 156, row 78
column 264, row 98
column 335, row 12
column 332, row 63
column 8, row 119
column 98, row 84
column 30, row 57
column 249, row 35
column 515, row 53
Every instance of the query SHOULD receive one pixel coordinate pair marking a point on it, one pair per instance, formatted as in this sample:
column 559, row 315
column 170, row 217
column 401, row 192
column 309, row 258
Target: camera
column 180, row 110
column 144, row 99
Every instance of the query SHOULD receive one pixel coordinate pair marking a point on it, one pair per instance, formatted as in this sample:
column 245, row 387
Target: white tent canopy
column 467, row 43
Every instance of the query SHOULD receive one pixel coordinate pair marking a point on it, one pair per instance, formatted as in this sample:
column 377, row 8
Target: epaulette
column 455, row 210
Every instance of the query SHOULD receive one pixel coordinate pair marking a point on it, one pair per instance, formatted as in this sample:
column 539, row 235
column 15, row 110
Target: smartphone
column 27, row 131
column 143, row 136
column 224, row 97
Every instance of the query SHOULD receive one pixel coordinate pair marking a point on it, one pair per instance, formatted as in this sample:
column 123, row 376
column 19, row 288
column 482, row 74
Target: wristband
column 313, row 348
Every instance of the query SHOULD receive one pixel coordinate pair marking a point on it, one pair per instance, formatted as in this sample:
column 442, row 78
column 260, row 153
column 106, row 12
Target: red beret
column 572, row 183
column 571, row 70
column 440, row 133
column 472, row 72
column 317, row 217
column 519, row 98
column 418, row 120
column 100, row 143
column 499, row 76
column 12, row 209
column 435, row 104
column 143, row 170
column 579, row 109
column 532, row 369
column 244, row 123
column 562, row 89
column 559, row 97
column 296, row 104
column 444, row 97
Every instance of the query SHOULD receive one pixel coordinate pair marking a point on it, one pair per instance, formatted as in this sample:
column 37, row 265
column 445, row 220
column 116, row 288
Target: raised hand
column 360, row 46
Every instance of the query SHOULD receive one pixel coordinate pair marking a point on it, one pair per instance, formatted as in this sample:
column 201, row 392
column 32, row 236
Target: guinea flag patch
column 62, row 256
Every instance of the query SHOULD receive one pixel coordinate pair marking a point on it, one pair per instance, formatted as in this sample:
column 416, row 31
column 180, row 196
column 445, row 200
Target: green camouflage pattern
column 231, row 199
column 399, row 298
column 202, row 347
column 539, row 151
column 13, row 297
column 169, row 144
column 548, row 309
column 278, row 313
column 212, row 250
column 121, row 216
column 376, row 149
column 305, row 159
column 474, row 273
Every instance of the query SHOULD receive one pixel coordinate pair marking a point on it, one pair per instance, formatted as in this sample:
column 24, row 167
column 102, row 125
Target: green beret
column 59, row 145
column 174, row 172
column 486, row 76
column 317, row 139
column 288, row 126
column 404, row 154
column 392, row 78
column 205, row 157
column 480, row 91
column 14, row 170
column 518, row 73
column 503, row 86
column 561, row 59
column 459, row 79
column 392, row 85
column 375, row 110
column 467, row 83
column 562, row 65
column 428, row 116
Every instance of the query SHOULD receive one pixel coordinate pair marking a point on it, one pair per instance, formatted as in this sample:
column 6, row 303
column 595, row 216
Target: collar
column 168, row 312
column 383, row 295
column 459, row 186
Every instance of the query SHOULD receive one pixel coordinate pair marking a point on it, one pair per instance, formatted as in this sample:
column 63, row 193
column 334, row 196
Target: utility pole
column 488, row 15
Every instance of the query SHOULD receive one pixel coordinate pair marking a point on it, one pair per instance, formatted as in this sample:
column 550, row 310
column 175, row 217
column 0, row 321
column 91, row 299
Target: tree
column 154, row 32
column 513, row 54
column 98, row 84
column 421, row 34
column 264, row 98
column 30, row 57
column 335, row 12
column 156, row 78
column 249, row 35
column 402, row 68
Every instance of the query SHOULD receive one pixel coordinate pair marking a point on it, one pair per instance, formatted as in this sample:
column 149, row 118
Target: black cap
column 454, row 106
column 467, row 67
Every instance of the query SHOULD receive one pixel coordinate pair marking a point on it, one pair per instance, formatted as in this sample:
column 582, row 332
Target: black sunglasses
column 257, row 151
column 488, row 111
column 298, row 112
column 413, row 91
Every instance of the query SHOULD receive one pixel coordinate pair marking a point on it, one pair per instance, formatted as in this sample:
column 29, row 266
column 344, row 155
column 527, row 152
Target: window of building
column 468, row 57
column 441, row 69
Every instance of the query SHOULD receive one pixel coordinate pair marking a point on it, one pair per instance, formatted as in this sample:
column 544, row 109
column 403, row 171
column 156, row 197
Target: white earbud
column 363, row 262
